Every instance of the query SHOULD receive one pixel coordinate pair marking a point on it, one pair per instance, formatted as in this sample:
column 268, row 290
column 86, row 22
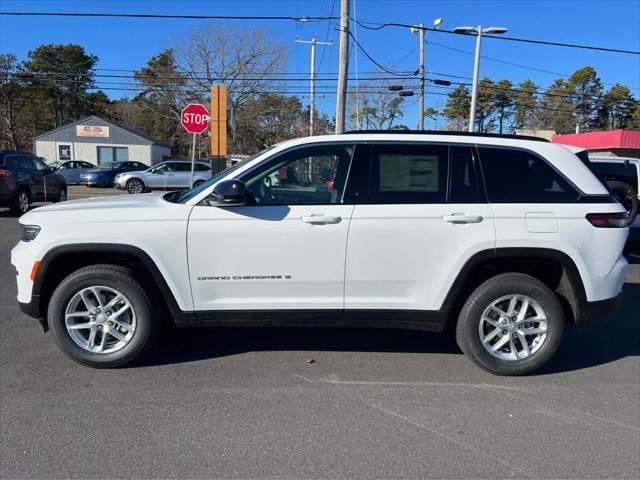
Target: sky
column 129, row 43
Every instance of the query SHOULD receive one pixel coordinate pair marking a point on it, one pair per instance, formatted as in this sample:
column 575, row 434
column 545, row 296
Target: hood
column 98, row 207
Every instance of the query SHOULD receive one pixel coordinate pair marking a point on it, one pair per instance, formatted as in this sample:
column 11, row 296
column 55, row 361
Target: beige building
column 97, row 141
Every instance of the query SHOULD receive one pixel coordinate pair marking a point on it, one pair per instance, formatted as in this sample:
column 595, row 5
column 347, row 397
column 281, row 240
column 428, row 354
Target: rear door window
column 408, row 174
column 519, row 176
column 463, row 183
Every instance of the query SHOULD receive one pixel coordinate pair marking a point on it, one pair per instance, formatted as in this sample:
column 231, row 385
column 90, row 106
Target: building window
column 64, row 151
column 113, row 154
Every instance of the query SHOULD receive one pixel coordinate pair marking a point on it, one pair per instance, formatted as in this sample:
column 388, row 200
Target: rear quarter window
column 519, row 176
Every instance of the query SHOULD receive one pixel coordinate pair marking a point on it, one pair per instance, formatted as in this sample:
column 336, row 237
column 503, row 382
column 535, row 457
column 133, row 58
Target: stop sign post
column 195, row 120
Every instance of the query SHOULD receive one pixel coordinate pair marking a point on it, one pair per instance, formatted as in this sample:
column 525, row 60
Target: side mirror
column 228, row 193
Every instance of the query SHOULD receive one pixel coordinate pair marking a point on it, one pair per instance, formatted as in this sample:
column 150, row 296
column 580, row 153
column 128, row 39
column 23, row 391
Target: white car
column 169, row 175
column 507, row 237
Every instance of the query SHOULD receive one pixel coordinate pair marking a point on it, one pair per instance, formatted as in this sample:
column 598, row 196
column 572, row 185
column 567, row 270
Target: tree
column 555, row 110
column 431, row 113
column 485, row 107
column 615, row 109
column 376, row 108
column 59, row 79
column 166, row 93
column 244, row 60
column 268, row 119
column 525, row 105
column 504, row 102
column 11, row 101
column 585, row 88
column 457, row 108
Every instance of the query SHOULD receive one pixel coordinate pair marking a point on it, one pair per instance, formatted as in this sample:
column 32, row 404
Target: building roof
column 601, row 140
column 117, row 125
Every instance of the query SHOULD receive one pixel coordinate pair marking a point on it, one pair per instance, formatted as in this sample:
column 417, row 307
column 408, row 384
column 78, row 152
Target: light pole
column 420, row 31
column 476, row 64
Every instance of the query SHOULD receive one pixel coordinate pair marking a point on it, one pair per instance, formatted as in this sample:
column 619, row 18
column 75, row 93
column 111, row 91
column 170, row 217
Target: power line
column 380, row 26
column 163, row 16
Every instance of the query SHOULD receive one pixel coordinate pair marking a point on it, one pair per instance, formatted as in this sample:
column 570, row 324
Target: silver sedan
column 169, row 175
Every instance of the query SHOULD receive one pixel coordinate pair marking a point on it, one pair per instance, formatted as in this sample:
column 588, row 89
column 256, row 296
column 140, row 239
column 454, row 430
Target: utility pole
column 343, row 71
column 421, row 115
column 312, row 89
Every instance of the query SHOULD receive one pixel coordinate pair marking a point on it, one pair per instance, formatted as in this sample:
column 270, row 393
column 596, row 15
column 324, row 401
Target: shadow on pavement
column 585, row 346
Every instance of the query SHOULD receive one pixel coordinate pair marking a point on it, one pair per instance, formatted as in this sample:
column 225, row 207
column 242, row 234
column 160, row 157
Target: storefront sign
column 92, row 131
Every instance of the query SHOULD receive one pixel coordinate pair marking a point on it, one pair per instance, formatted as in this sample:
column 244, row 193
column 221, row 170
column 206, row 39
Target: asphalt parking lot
column 244, row 403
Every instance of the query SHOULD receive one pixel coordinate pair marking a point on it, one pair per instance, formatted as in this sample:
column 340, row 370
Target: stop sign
column 195, row 118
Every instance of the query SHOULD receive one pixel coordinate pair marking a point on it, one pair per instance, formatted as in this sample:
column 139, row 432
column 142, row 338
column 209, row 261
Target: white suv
column 507, row 237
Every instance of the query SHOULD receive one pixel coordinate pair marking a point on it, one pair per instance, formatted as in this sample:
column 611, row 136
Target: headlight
column 29, row 232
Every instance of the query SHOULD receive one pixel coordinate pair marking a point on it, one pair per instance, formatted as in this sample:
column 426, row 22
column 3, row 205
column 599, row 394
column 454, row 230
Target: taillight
column 608, row 220
column 5, row 173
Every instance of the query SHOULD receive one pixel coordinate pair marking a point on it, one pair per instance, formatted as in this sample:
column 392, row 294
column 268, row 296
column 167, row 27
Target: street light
column 478, row 31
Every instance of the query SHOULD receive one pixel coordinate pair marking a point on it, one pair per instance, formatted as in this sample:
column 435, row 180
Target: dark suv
column 25, row 179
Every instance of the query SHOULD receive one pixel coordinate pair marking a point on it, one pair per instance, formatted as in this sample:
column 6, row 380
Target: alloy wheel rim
column 100, row 319
column 513, row 327
column 23, row 202
column 63, row 195
column 135, row 187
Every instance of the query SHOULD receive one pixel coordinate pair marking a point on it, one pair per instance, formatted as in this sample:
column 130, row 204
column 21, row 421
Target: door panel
column 407, row 256
column 267, row 257
column 420, row 217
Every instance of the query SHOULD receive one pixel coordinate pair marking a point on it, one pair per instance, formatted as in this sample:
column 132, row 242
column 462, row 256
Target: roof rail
column 447, row 132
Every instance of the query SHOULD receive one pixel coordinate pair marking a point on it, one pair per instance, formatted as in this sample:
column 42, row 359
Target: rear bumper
column 598, row 310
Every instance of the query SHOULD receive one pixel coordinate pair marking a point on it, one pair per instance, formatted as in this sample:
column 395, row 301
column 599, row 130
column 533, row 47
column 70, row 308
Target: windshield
column 109, row 166
column 187, row 195
column 55, row 165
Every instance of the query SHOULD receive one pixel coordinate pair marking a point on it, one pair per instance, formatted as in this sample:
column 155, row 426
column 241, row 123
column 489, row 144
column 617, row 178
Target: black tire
column 135, row 185
column 627, row 197
column 468, row 326
column 20, row 202
column 62, row 195
column 198, row 183
column 117, row 278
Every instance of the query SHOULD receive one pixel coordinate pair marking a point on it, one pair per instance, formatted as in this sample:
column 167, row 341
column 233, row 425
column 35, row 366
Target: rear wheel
column 510, row 325
column 135, row 186
column 20, row 203
column 198, row 183
column 627, row 197
column 101, row 317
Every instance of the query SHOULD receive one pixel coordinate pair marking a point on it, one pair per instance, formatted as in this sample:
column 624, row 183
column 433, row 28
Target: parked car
column 103, row 175
column 621, row 175
column 71, row 169
column 26, row 179
column 507, row 237
column 169, row 175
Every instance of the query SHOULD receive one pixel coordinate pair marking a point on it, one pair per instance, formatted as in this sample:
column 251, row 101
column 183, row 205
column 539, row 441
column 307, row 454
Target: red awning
column 601, row 140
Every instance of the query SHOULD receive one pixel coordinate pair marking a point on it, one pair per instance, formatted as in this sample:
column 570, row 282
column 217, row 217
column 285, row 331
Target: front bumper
column 95, row 182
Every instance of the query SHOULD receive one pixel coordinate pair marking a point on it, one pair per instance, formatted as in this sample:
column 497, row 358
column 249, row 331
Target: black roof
column 447, row 132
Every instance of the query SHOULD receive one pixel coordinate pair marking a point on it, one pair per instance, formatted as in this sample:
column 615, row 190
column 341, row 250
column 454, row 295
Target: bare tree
column 244, row 60
column 375, row 107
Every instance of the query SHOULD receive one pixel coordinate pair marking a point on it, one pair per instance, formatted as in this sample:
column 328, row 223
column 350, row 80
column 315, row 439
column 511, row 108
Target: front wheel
column 101, row 317
column 20, row 204
column 62, row 195
column 135, row 186
column 198, row 183
column 510, row 325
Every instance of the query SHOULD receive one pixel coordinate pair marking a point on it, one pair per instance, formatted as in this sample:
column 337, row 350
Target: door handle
column 462, row 218
column 320, row 219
